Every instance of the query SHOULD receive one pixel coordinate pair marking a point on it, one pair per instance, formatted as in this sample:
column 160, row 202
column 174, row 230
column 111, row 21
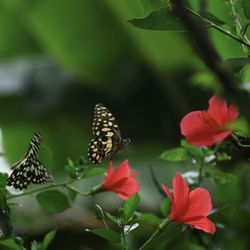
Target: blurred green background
column 61, row 57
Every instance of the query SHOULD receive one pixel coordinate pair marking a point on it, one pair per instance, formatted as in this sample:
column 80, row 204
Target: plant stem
column 93, row 190
column 124, row 239
column 237, row 20
column 239, row 143
column 201, row 167
column 155, row 234
column 218, row 28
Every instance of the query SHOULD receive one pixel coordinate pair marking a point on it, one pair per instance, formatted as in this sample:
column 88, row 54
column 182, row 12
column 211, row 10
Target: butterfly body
column 107, row 140
column 29, row 170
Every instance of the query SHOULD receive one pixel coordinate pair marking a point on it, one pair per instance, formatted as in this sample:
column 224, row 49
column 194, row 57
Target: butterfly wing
column 96, row 151
column 107, row 135
column 34, row 146
column 39, row 173
column 28, row 171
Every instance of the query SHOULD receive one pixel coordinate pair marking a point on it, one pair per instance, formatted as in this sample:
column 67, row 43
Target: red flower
column 208, row 127
column 191, row 208
column 121, row 181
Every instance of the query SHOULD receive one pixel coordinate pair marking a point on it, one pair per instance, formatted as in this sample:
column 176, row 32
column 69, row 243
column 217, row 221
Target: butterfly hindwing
column 39, row 173
column 107, row 136
column 29, row 169
column 95, row 151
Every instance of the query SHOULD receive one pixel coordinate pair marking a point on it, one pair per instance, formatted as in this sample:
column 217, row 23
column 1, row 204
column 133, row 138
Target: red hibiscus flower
column 121, row 181
column 208, row 127
column 191, row 208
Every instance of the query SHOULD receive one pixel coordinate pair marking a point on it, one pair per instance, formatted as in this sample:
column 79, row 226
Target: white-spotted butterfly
column 107, row 136
column 29, row 170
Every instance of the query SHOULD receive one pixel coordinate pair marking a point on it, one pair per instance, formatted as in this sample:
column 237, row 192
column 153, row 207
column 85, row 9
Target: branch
column 203, row 45
column 218, row 28
column 65, row 184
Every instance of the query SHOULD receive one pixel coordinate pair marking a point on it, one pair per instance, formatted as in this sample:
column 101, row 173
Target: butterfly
column 107, row 139
column 29, row 170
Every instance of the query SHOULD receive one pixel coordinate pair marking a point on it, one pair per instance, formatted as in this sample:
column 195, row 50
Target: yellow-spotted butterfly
column 107, row 136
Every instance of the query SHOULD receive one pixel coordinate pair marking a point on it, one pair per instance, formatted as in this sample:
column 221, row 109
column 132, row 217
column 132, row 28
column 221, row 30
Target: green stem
column 238, row 143
column 201, row 167
column 218, row 28
column 237, row 20
column 155, row 234
column 124, row 239
column 123, row 236
column 93, row 190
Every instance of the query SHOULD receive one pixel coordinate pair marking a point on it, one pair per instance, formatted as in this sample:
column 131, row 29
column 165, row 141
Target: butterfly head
column 126, row 142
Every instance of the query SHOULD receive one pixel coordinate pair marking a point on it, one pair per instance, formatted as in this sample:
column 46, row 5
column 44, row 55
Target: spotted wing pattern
column 29, row 169
column 107, row 136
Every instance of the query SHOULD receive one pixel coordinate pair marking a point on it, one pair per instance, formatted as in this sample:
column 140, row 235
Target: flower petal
column 129, row 188
column 199, row 203
column 123, row 170
column 232, row 114
column 202, row 223
column 167, row 191
column 200, row 129
column 181, row 193
column 121, row 181
column 217, row 109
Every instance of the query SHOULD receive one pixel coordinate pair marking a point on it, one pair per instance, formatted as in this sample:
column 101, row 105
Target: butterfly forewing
column 34, row 146
column 107, row 134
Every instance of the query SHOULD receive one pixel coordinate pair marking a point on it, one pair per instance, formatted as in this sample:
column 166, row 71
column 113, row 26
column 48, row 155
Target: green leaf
column 11, row 244
column 107, row 234
column 220, row 177
column 130, row 206
column 53, row 201
column 150, row 218
column 242, row 125
column 222, row 156
column 3, row 180
column 192, row 150
column 5, row 223
column 165, row 205
column 158, row 20
column 211, row 17
column 90, row 172
column 48, row 239
column 153, row 5
column 36, row 245
column 246, row 8
column 3, row 202
column 175, row 154
column 114, row 219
